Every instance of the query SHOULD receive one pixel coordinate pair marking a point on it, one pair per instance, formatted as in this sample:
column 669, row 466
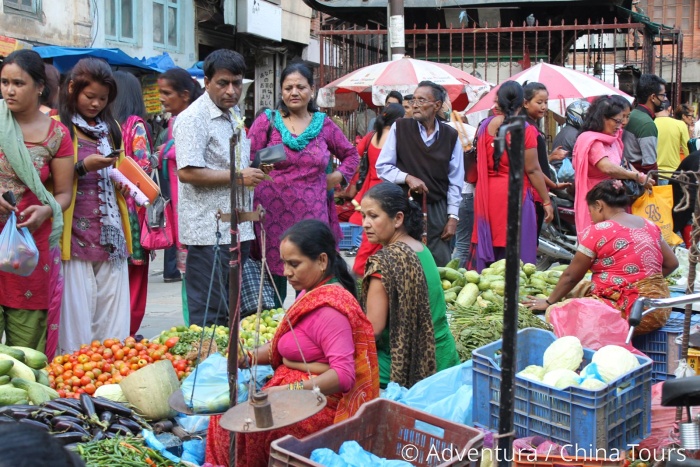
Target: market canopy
column 564, row 85
column 64, row 58
column 373, row 83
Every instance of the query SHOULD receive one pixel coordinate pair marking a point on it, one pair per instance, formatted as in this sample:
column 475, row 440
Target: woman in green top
column 401, row 291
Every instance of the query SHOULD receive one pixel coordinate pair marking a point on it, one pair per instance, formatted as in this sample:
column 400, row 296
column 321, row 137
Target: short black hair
column 439, row 93
column 611, row 192
column 224, row 59
column 129, row 99
column 395, row 95
column 648, row 84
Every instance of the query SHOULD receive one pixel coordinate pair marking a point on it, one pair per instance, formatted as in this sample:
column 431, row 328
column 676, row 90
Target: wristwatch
column 452, row 216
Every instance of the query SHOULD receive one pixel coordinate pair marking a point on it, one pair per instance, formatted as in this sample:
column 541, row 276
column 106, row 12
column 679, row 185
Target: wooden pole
column 234, row 288
column 516, row 159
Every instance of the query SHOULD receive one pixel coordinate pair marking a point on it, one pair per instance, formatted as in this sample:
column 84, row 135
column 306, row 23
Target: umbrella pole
column 396, row 26
column 516, row 155
column 234, row 286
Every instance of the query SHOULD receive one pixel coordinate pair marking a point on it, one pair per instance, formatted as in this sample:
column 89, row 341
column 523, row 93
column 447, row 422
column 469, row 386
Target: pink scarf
column 584, row 183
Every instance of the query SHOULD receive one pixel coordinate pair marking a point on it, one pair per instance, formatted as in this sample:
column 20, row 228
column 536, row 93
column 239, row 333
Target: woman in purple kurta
column 299, row 186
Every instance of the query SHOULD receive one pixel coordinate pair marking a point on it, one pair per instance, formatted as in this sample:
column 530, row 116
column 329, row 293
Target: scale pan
column 177, row 403
column 288, row 407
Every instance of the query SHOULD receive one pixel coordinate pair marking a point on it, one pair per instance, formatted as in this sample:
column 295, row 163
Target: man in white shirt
column 203, row 135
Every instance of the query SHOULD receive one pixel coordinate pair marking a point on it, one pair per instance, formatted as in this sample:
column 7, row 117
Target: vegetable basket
column 610, row 418
column 389, row 430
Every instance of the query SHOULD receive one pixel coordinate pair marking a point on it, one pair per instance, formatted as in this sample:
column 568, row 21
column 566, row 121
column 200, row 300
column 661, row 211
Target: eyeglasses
column 618, row 121
column 662, row 96
column 420, row 101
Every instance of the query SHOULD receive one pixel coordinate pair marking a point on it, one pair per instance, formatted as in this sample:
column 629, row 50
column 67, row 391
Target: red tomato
column 90, row 388
column 180, row 374
column 170, row 343
column 79, row 372
column 106, row 367
column 119, row 354
column 96, row 357
column 85, row 380
column 139, row 346
column 58, row 360
column 83, row 358
column 107, row 353
column 90, row 374
column 109, row 342
column 142, row 363
column 68, row 366
column 95, row 344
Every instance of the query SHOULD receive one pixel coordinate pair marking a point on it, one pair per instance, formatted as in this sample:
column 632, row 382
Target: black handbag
column 633, row 189
column 270, row 154
column 364, row 166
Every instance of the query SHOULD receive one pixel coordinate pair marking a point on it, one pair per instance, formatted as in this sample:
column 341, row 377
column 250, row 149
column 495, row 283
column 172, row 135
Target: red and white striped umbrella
column 373, row 83
column 564, row 85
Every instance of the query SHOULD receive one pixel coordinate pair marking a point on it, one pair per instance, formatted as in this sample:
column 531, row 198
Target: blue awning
column 64, row 58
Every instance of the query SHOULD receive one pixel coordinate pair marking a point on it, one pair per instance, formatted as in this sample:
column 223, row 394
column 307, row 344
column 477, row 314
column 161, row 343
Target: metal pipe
column 516, row 127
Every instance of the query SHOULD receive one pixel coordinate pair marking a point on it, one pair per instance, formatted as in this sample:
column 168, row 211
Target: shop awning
column 64, row 58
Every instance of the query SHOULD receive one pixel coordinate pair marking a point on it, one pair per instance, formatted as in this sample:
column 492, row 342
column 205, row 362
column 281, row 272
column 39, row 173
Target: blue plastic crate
column 661, row 346
column 352, row 236
column 611, row 418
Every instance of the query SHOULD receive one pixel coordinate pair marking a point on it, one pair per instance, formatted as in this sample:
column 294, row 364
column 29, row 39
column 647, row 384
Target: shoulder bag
column 270, row 154
column 632, row 187
column 157, row 225
column 364, row 163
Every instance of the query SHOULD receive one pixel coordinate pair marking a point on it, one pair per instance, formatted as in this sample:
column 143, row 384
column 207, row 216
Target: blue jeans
column 463, row 237
column 170, row 270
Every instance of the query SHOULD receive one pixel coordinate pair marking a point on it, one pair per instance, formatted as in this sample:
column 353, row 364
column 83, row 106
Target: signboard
column 149, row 89
column 9, row 45
column 265, row 84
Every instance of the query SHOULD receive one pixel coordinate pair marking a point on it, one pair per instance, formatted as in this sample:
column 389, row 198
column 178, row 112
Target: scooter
column 680, row 392
column 557, row 241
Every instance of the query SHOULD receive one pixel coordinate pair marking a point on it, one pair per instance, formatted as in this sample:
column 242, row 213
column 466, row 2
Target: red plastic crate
column 385, row 428
column 526, row 460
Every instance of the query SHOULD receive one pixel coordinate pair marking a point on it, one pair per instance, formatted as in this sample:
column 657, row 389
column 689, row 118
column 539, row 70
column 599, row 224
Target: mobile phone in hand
column 115, row 153
column 10, row 198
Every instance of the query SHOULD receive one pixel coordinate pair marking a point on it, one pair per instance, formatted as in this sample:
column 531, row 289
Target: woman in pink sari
column 597, row 153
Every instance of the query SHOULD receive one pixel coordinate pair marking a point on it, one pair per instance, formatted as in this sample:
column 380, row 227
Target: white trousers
column 95, row 304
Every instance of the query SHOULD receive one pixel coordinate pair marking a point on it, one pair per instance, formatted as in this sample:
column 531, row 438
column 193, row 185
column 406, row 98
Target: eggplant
column 62, row 402
column 117, row 428
column 65, row 425
column 70, row 437
column 66, row 418
column 106, row 416
column 116, row 408
column 97, row 434
column 35, row 423
column 11, row 408
column 6, row 419
column 130, row 424
column 88, row 406
column 60, row 409
column 110, row 435
column 20, row 414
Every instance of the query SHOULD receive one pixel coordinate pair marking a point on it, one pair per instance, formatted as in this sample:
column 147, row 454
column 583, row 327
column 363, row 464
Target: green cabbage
column 614, row 361
column 593, row 384
column 561, row 378
column 565, row 352
column 534, row 372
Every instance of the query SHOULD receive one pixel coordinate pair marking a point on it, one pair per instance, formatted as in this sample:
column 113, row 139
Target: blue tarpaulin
column 64, row 58
column 163, row 62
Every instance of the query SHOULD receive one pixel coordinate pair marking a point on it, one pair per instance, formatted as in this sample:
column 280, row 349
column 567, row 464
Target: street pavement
column 164, row 301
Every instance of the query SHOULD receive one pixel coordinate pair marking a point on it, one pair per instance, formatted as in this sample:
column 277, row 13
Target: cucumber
column 33, row 358
column 467, row 297
column 37, row 393
column 450, row 274
column 456, row 290
column 6, row 366
column 4, row 379
column 12, row 352
column 472, row 276
column 450, row 297
column 453, row 264
column 10, row 395
column 19, row 369
column 41, row 377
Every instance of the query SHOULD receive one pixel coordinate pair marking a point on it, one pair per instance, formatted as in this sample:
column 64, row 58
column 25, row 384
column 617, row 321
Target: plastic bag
column 193, row 423
column 658, row 208
column 327, row 457
column 18, row 252
column 566, row 171
column 446, row 394
column 210, row 382
column 593, row 322
column 353, row 454
column 193, row 451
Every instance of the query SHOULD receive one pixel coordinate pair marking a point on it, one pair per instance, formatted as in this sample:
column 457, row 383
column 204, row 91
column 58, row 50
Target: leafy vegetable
column 534, row 372
column 565, row 352
column 614, row 361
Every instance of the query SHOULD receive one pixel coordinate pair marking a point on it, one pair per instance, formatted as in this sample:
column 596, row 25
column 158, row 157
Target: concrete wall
column 296, row 21
column 66, row 23
column 184, row 55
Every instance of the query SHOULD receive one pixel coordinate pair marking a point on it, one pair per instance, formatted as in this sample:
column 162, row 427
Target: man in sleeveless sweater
column 425, row 156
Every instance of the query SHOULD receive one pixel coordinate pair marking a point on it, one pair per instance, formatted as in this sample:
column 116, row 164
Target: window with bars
column 119, row 20
column 166, row 23
column 24, row 7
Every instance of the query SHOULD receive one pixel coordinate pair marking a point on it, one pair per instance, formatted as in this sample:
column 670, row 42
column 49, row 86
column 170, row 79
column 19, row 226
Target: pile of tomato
column 108, row 362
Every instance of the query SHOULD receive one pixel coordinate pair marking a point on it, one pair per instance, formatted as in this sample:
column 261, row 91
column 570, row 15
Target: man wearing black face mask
column 640, row 135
